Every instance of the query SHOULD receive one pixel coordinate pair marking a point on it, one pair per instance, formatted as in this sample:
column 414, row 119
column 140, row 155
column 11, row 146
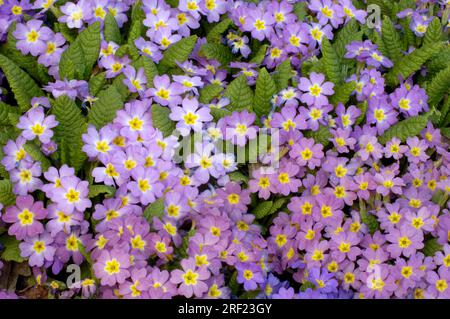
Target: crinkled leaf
column 434, row 32
column 96, row 83
column 321, row 136
column 155, row 209
column 431, row 247
column 72, row 125
column 438, row 86
column 262, row 209
column 215, row 34
column 259, row 55
column 95, row 190
column 104, row 109
column 35, row 153
column 111, row 29
column 79, row 58
column 209, row 92
column 178, row 52
column 331, row 62
column 161, row 120
column 407, row 128
column 219, row 113
column 412, row 62
column 240, row 94
column 7, row 197
column 282, row 74
column 264, row 91
column 342, row 93
column 11, row 250
column 391, row 40
column 349, row 33
column 218, row 52
column 22, row 85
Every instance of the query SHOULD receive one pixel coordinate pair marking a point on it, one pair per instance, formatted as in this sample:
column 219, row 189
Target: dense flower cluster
column 157, row 196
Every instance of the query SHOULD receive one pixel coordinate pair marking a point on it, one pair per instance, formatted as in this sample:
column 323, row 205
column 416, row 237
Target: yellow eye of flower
column 259, row 25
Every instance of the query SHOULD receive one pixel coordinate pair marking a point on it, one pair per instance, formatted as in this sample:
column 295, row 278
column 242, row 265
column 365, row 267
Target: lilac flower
column 135, row 81
column 35, row 124
column 26, row 178
column 145, row 185
column 315, row 89
column 25, row 217
column 259, row 23
column 32, row 37
column 73, row 194
column 191, row 278
column 73, row 89
column 307, row 153
column 75, row 13
column 250, row 275
column 405, row 240
column 416, row 151
column 38, row 249
column 323, row 280
column 238, row 127
column 164, row 92
column 112, row 267
column 190, row 116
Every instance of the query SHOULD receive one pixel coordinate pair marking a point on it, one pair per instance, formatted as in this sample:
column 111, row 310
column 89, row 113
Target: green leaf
column 104, row 109
column 7, row 197
column 349, row 33
column 219, row 113
column 25, row 61
column 178, row 52
column 331, row 62
column 407, row 128
column 216, row 51
column 95, row 190
column 321, row 136
column 237, row 176
column 233, row 284
column 5, row 110
column 438, row 87
column 111, row 29
column 363, row 108
column 79, row 58
column 22, row 85
column 282, row 74
column 431, row 247
column 264, row 91
column 35, row 152
column 300, row 10
column 161, row 120
column 150, row 68
column 240, row 94
column 259, row 56
column 11, row 250
column 96, row 83
column 439, row 61
column 262, row 209
column 412, row 62
column 69, row 34
column 391, row 40
column 277, row 204
column 434, row 33
column 342, row 93
column 215, row 35
column 136, row 27
column 155, row 209
column 68, row 133
column 209, row 92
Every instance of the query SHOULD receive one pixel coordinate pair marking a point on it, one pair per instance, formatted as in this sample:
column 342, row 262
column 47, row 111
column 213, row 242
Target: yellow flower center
column 112, row 266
